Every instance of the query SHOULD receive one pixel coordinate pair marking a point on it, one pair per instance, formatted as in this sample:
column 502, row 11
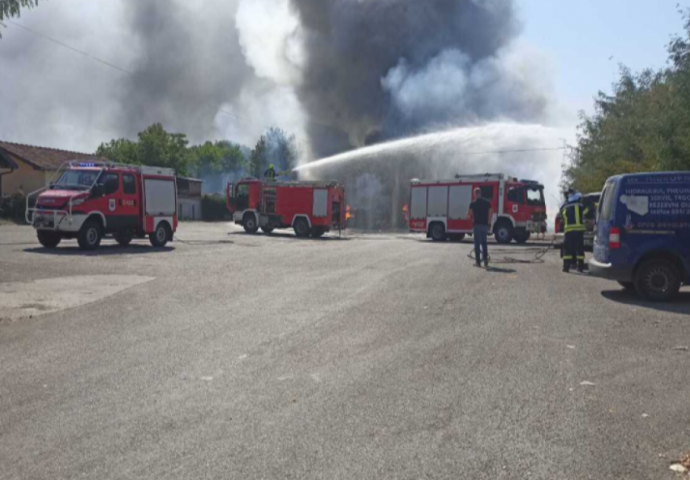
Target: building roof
column 42, row 158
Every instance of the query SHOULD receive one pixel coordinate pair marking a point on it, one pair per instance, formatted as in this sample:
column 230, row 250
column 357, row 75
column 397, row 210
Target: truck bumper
column 609, row 271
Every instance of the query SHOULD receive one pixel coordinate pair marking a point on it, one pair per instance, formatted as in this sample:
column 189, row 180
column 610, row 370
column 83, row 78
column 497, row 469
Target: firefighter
column 270, row 173
column 573, row 214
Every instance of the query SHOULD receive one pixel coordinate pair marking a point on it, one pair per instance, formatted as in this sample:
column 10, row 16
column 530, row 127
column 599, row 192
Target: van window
column 608, row 201
column 129, row 185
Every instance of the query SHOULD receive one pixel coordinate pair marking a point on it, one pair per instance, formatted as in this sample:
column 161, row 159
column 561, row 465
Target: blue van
column 643, row 233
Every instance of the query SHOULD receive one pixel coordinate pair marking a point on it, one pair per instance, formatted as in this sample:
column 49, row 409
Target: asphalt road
column 372, row 356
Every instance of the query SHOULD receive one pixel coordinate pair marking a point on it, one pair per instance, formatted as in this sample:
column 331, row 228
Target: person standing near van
column 480, row 212
column 573, row 214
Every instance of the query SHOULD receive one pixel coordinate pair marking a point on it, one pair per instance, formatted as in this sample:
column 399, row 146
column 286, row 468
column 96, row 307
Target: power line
column 81, row 52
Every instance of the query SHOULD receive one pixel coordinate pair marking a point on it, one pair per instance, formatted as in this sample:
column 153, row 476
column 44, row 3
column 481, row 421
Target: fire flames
column 348, row 213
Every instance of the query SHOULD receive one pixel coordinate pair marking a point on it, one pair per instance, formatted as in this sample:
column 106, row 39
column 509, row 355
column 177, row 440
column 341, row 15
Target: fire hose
column 539, row 254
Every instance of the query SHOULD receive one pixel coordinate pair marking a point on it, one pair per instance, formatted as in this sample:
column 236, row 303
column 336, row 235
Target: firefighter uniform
column 573, row 214
column 270, row 173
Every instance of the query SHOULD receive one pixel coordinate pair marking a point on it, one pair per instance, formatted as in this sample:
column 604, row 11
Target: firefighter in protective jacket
column 573, row 214
column 270, row 173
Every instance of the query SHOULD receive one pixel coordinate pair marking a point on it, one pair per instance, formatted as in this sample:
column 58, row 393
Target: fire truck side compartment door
column 438, row 201
column 160, row 197
column 320, row 208
column 460, row 199
column 418, row 209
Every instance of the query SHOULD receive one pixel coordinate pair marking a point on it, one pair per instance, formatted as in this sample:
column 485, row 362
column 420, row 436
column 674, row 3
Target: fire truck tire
column 437, row 232
column 301, row 227
column 160, row 237
column 267, row 230
column 249, row 223
column 49, row 239
column 90, row 235
column 317, row 232
column 503, row 233
column 123, row 239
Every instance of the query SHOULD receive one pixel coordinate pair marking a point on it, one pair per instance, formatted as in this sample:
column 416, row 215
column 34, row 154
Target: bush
column 213, row 208
column 13, row 208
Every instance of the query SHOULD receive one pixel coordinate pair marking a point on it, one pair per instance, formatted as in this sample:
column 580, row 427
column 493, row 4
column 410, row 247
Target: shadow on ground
column 681, row 304
column 103, row 250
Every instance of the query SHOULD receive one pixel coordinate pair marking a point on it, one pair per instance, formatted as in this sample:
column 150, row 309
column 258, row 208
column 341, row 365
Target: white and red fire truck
column 440, row 208
column 88, row 201
column 310, row 208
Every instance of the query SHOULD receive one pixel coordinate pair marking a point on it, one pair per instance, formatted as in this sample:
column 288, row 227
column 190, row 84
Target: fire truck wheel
column 160, row 237
column 267, row 230
column 123, row 239
column 90, row 235
column 317, row 232
column 49, row 239
column 437, row 232
column 504, row 233
column 301, row 228
column 249, row 223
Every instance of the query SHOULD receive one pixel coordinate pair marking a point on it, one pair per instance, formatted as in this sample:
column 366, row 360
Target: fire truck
column 88, row 201
column 440, row 208
column 310, row 208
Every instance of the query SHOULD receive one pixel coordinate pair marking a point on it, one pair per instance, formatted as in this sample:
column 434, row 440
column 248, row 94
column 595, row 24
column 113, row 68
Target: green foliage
column 274, row 147
column 155, row 147
column 258, row 160
column 643, row 126
column 12, row 8
column 214, row 158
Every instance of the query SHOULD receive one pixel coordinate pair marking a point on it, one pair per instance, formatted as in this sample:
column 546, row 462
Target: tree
column 12, row 8
column 258, row 158
column 155, row 147
column 643, row 126
column 281, row 149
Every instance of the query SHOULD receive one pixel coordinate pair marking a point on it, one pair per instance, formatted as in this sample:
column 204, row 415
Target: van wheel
column 437, row 232
column 90, row 236
column 657, row 280
column 160, row 237
column 49, row 239
column 301, row 228
column 249, row 224
column 123, row 239
column 504, row 233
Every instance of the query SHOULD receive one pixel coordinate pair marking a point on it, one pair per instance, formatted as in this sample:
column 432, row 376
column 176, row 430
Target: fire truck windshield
column 76, row 180
column 535, row 196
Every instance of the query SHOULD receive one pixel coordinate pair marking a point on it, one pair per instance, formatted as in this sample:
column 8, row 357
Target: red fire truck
column 440, row 208
column 88, row 201
column 311, row 208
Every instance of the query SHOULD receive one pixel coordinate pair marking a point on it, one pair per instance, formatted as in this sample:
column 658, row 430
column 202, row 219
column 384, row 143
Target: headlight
column 78, row 201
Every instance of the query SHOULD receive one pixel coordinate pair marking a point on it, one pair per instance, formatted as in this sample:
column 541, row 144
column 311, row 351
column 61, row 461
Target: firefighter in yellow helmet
column 573, row 214
column 270, row 173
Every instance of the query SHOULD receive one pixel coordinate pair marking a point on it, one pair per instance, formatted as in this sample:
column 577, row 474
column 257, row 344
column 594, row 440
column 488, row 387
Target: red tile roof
column 44, row 158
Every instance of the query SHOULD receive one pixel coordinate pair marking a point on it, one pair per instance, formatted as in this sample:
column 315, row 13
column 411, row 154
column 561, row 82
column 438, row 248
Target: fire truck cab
column 310, row 208
column 440, row 208
column 88, row 201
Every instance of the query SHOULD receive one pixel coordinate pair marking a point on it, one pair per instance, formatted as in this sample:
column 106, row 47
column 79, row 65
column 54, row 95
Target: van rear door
column 606, row 218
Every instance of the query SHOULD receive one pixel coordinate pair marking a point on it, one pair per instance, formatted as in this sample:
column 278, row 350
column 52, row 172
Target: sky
column 586, row 40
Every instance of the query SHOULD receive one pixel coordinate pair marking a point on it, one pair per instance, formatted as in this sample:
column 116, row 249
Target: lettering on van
column 657, row 201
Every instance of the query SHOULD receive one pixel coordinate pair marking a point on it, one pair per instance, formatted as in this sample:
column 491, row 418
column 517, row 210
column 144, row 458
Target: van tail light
column 615, row 238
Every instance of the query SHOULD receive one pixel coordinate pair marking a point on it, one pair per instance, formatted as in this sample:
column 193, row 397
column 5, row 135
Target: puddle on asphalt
column 30, row 299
